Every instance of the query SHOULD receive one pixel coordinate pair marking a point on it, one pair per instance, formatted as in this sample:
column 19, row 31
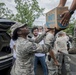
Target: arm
column 40, row 37
column 62, row 3
column 66, row 15
column 34, row 47
column 73, row 5
column 54, row 58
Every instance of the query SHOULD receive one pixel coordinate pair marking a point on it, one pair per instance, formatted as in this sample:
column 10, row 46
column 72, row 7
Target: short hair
column 40, row 27
column 34, row 29
column 61, row 33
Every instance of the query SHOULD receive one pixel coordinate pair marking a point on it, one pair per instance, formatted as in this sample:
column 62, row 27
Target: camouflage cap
column 16, row 25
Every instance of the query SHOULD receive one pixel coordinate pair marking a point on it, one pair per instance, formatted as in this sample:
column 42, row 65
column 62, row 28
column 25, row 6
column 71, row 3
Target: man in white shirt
column 39, row 56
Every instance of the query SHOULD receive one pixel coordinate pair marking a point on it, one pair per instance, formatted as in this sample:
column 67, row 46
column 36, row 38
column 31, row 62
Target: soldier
column 39, row 57
column 25, row 49
column 53, row 63
column 61, row 45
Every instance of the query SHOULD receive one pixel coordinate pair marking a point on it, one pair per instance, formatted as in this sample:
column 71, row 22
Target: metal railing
column 72, row 62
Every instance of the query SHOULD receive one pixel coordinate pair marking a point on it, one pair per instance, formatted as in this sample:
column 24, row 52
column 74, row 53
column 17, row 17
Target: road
column 40, row 70
column 72, row 63
column 5, row 71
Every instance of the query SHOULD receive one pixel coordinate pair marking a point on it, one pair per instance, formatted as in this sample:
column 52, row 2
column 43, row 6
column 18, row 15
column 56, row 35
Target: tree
column 70, row 29
column 5, row 12
column 28, row 11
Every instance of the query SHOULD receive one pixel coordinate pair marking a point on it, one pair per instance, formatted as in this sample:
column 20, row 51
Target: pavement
column 40, row 70
column 73, row 65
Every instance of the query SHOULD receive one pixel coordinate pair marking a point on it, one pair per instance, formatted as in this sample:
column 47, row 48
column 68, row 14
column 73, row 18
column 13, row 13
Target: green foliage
column 5, row 12
column 28, row 11
column 70, row 29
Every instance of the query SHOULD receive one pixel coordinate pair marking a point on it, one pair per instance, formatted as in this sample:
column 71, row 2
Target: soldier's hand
column 46, row 30
column 56, row 63
column 65, row 18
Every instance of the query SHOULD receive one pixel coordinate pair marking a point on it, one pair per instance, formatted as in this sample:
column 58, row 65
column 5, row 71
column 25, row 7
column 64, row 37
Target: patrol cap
column 16, row 25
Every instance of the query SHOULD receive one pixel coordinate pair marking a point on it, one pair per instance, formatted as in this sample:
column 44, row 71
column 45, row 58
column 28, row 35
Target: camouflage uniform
column 24, row 55
column 50, row 64
column 61, row 44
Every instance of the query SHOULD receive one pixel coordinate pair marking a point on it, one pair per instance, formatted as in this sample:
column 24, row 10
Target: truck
column 6, row 55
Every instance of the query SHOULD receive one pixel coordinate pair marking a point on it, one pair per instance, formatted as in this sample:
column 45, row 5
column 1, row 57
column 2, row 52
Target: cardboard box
column 53, row 18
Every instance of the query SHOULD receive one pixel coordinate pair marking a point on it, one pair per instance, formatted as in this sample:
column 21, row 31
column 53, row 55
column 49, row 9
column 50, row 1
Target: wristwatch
column 71, row 12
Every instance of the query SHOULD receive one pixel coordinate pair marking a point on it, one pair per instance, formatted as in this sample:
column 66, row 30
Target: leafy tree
column 70, row 29
column 28, row 11
column 5, row 12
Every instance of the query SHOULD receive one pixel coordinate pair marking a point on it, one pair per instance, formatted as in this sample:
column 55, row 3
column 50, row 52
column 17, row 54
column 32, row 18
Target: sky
column 47, row 4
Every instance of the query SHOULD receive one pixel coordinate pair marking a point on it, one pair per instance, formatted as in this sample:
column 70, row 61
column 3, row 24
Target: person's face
column 35, row 32
column 24, row 30
column 40, row 29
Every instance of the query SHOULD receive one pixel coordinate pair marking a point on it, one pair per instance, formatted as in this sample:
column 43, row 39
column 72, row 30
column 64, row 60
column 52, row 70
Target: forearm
column 62, row 3
column 43, row 48
column 73, row 5
column 54, row 58
column 52, row 55
column 37, row 48
column 40, row 38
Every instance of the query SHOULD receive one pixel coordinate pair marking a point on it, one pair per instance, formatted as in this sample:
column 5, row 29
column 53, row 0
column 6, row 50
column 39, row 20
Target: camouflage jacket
column 24, row 54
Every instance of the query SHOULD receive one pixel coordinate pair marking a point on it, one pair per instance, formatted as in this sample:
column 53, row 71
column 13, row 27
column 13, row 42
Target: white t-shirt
column 12, row 43
column 39, row 54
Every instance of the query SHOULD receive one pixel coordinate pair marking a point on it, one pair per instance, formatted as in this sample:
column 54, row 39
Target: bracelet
column 71, row 12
